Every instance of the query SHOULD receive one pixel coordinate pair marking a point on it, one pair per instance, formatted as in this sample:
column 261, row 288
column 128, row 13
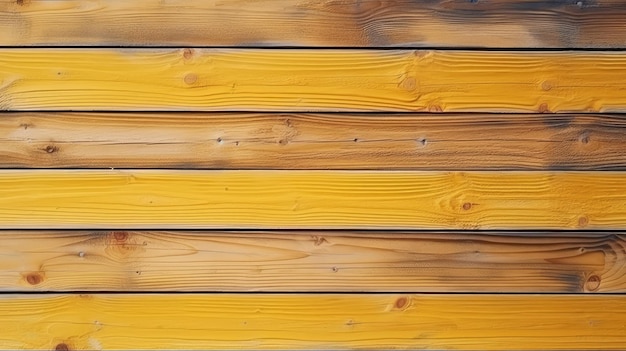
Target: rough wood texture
column 311, row 80
column 312, row 199
column 443, row 23
column 312, row 141
column 338, row 322
column 312, row 261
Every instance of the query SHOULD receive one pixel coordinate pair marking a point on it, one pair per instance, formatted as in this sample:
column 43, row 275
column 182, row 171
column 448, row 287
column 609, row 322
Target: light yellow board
column 312, row 261
column 373, row 23
column 311, row 80
column 423, row 141
column 314, row 322
column 312, row 199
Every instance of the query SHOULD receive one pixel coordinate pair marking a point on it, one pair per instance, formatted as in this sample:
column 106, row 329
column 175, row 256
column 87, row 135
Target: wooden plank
column 308, row 321
column 312, row 199
column 319, row 261
column 312, row 141
column 311, row 80
column 378, row 23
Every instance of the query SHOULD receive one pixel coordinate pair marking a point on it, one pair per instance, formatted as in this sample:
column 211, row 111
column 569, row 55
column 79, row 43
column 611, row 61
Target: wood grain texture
column 377, row 23
column 311, row 80
column 312, row 141
column 318, row 261
column 312, row 199
column 337, row 322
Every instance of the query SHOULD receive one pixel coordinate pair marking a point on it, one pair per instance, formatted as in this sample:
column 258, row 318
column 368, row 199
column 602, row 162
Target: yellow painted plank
column 312, row 199
column 311, row 80
column 312, row 141
column 312, row 261
column 337, row 322
column 493, row 23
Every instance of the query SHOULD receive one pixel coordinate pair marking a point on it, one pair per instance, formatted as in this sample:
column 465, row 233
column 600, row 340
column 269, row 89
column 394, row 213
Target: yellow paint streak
column 247, row 322
column 311, row 80
column 312, row 199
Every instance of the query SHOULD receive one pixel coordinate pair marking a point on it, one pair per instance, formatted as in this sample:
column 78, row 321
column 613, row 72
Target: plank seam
column 330, row 48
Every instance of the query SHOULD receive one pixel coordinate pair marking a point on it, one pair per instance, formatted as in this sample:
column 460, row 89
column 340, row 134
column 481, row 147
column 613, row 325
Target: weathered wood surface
column 372, row 23
column 312, row 141
column 164, row 199
column 337, row 322
column 311, row 80
column 312, row 261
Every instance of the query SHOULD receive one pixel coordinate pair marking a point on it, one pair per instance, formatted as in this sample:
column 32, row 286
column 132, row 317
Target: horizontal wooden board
column 312, row 199
column 337, row 322
column 311, row 80
column 312, row 261
column 378, row 23
column 312, row 141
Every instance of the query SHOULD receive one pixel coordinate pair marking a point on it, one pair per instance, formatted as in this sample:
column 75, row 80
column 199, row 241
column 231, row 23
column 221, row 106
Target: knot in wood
column 593, row 283
column 34, row 278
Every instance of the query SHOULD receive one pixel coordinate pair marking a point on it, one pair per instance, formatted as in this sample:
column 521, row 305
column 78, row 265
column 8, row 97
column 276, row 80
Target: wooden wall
column 312, row 174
